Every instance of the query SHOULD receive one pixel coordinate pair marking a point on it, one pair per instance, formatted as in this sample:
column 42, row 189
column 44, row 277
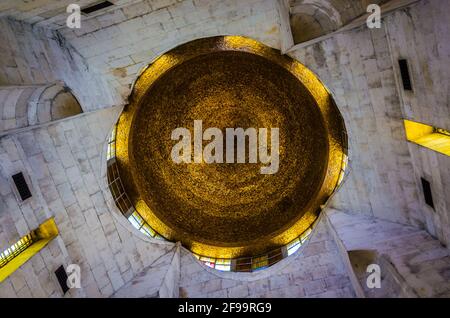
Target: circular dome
column 229, row 209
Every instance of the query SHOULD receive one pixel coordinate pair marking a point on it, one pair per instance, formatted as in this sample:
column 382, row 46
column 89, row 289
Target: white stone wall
column 361, row 69
column 119, row 43
column 422, row 263
column 316, row 270
column 159, row 280
column 65, row 166
column 357, row 68
column 422, row 36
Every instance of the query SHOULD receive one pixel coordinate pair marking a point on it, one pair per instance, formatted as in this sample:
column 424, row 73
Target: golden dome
column 224, row 209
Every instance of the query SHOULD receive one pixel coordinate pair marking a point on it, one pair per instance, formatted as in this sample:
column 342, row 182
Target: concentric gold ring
column 229, row 210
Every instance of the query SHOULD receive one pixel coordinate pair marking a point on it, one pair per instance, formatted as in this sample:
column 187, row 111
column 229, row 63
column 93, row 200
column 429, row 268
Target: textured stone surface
column 34, row 55
column 63, row 163
column 421, row 35
column 422, row 263
column 90, row 235
column 312, row 272
column 160, row 279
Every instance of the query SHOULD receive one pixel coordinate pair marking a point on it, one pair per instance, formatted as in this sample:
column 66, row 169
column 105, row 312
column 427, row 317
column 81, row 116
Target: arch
column 310, row 19
column 23, row 106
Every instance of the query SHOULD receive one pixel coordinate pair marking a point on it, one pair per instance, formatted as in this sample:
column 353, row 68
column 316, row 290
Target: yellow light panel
column 436, row 139
column 46, row 232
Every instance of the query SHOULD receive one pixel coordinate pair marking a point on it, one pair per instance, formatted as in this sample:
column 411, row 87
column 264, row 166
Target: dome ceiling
column 226, row 209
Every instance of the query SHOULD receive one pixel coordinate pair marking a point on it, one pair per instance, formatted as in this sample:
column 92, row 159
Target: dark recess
column 427, row 192
column 404, row 71
column 61, row 275
column 21, row 186
column 96, row 7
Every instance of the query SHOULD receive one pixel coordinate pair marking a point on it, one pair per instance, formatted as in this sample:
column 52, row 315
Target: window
column 223, row 264
column 275, row 256
column 305, row 235
column 147, row 230
column 430, row 137
column 260, row 262
column 343, row 169
column 293, row 246
column 427, row 192
column 208, row 261
column 138, row 222
column 404, row 71
column 251, row 264
column 22, row 186
column 111, row 153
column 14, row 250
column 61, row 275
column 118, row 192
column 20, row 252
column 96, row 7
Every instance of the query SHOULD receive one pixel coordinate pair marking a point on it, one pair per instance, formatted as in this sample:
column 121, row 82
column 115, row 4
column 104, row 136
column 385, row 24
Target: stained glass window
column 26, row 247
column 223, row 264
column 260, row 262
column 208, row 261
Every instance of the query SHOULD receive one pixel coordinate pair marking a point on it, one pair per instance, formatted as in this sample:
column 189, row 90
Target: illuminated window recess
column 430, row 137
column 20, row 252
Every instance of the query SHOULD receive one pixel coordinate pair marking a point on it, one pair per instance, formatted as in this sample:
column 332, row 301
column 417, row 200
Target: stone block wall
column 316, row 270
column 159, row 280
column 361, row 69
column 421, row 34
column 64, row 165
column 34, row 55
column 27, row 105
column 420, row 264
column 357, row 68
column 118, row 43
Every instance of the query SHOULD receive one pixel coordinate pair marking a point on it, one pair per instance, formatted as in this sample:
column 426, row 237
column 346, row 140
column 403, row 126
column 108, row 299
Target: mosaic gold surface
column 229, row 210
